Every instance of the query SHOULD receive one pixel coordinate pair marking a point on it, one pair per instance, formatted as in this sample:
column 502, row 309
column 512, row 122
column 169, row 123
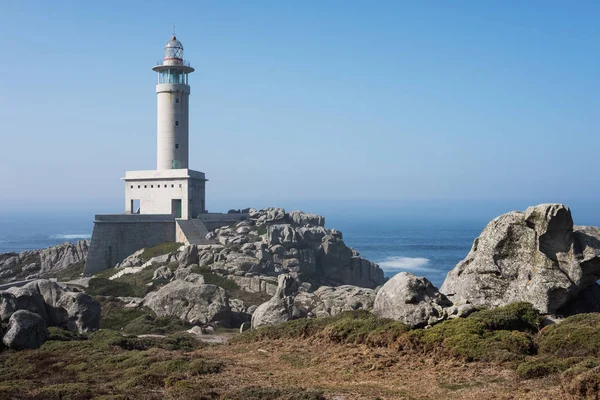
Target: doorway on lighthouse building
column 176, row 208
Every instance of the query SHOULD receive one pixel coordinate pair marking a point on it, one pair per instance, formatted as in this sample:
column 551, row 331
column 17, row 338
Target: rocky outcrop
column 26, row 330
column 411, row 300
column 536, row 256
column 42, row 263
column 75, row 311
column 291, row 301
column 191, row 302
column 328, row 301
column 272, row 242
column 281, row 306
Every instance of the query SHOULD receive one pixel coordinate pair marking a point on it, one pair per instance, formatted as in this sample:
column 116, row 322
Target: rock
column 281, row 306
column 194, row 278
column 132, row 260
column 188, row 255
column 30, row 267
column 182, row 272
column 263, row 256
column 536, row 256
column 411, row 300
column 277, row 249
column 28, row 298
column 586, row 301
column 163, row 273
column 206, row 258
column 26, row 330
column 460, row 311
column 195, row 330
column 292, row 243
column 44, row 262
column 337, row 264
column 242, row 230
column 159, row 260
column 334, row 300
column 303, row 219
column 240, row 262
column 75, row 311
column 8, row 305
column 57, row 258
column 190, row 302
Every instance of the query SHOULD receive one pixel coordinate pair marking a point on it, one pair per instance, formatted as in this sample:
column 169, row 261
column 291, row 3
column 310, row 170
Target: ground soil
column 348, row 372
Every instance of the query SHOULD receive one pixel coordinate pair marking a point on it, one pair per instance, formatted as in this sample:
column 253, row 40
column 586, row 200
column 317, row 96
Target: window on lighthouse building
column 176, row 123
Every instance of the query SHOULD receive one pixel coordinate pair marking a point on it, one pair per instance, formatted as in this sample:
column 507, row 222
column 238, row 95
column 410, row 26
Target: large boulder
column 191, row 302
column 28, row 298
column 281, row 306
column 75, row 311
column 26, row 330
column 45, row 262
column 8, row 305
column 411, row 300
column 57, row 258
column 188, row 255
column 536, row 256
column 328, row 301
column 303, row 219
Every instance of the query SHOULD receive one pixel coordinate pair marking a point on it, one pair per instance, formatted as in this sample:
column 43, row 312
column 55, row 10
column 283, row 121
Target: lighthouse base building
column 166, row 204
column 178, row 192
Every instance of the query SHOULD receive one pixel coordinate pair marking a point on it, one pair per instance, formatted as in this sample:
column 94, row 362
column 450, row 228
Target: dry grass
column 353, row 356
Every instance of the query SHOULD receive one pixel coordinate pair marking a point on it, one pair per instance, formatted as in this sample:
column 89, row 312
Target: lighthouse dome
column 173, row 50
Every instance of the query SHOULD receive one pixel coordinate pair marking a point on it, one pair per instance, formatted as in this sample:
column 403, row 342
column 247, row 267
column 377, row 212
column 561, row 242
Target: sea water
column 427, row 249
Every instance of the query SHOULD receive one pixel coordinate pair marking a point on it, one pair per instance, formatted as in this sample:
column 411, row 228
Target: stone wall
column 117, row 236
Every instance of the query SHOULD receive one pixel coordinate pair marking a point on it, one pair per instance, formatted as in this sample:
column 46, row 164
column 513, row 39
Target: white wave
column 72, row 236
column 406, row 264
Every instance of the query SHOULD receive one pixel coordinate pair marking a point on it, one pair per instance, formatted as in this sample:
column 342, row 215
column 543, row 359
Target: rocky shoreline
column 284, row 291
column 277, row 266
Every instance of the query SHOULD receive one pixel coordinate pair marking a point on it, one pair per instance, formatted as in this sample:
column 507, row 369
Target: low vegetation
column 160, row 249
column 73, row 271
column 136, row 321
column 122, row 360
column 104, row 363
column 510, row 336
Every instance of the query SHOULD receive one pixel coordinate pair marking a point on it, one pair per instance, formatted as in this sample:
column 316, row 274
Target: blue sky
column 321, row 105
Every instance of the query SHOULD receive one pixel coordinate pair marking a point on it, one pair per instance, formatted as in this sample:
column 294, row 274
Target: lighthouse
column 165, row 204
column 173, row 93
column 173, row 188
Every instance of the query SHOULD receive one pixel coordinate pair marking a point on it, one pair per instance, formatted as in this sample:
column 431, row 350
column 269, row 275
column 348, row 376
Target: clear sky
column 308, row 104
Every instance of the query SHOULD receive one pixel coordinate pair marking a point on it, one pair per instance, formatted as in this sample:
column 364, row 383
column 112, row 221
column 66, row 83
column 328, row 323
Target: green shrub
column 197, row 269
column 64, row 335
column 347, row 327
column 499, row 334
column 159, row 250
column 65, row 391
column 149, row 323
column 585, row 385
column 513, row 317
column 107, row 287
column 576, row 336
column 220, row 281
column 179, row 341
column 73, row 271
column 262, row 230
column 541, row 367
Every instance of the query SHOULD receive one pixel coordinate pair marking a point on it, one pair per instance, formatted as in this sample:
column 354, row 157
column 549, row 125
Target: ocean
column 427, row 249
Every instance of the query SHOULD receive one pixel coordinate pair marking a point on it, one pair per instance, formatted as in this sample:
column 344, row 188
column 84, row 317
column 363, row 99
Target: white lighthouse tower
column 173, row 188
column 173, row 92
